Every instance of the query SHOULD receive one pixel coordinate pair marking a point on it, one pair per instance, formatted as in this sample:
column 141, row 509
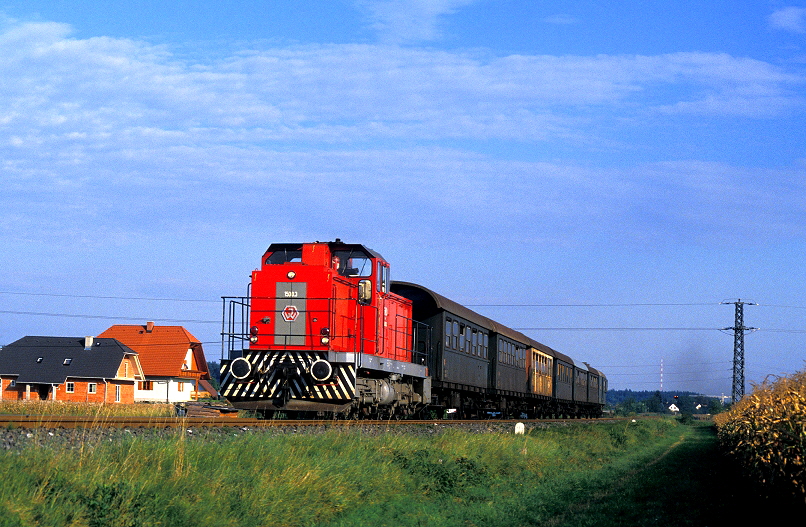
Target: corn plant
column 766, row 433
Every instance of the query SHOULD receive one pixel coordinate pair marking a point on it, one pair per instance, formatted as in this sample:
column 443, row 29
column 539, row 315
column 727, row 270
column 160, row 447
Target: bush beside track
column 766, row 434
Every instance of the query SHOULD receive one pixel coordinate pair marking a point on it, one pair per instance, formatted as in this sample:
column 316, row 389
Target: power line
column 610, row 374
column 656, row 365
column 110, row 317
column 597, row 305
column 96, row 297
column 616, row 329
column 104, row 317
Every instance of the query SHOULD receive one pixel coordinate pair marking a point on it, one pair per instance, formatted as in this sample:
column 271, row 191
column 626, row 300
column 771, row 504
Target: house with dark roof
column 75, row 369
column 173, row 362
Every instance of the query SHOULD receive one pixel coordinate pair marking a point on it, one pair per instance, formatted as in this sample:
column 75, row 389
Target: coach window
column 462, row 337
column 486, row 344
column 467, row 340
column 475, row 342
column 455, row 335
column 448, row 327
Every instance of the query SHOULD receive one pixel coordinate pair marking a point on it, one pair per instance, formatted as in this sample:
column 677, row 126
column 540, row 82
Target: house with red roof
column 172, row 360
column 72, row 369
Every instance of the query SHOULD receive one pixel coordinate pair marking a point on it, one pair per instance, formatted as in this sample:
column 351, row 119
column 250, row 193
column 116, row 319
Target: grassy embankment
column 99, row 411
column 603, row 474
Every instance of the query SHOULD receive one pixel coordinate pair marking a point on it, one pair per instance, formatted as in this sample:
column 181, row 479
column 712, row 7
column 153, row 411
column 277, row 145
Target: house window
column 117, row 393
column 92, row 387
column 67, row 362
column 126, row 369
column 71, row 387
column 146, row 385
column 180, row 387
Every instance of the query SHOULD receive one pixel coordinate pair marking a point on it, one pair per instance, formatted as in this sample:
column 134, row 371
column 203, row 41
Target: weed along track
column 52, row 421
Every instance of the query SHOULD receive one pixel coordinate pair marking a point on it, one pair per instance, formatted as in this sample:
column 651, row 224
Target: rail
column 56, row 421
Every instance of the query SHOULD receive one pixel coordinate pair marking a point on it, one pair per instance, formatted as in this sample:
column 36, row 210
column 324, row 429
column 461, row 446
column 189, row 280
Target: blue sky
column 611, row 166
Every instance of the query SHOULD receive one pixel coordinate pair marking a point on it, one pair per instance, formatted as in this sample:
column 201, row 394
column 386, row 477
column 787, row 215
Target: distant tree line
column 215, row 375
column 625, row 402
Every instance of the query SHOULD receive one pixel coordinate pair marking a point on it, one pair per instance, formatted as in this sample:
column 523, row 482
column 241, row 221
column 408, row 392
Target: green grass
column 573, row 475
column 86, row 409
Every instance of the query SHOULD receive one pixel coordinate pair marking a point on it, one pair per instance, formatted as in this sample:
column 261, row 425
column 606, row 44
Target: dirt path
column 689, row 484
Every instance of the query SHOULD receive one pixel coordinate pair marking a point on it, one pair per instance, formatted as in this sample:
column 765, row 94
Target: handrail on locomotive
column 235, row 334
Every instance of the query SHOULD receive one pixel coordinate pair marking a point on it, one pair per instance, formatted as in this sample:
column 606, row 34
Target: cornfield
column 766, row 433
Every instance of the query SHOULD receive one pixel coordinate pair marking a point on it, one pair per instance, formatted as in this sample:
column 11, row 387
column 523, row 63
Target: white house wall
column 166, row 390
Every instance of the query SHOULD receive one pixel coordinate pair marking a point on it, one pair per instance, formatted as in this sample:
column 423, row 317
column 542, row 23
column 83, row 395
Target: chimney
column 88, row 343
column 149, row 327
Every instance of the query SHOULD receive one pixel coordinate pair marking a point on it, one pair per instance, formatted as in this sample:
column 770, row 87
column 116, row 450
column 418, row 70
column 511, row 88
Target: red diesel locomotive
column 323, row 330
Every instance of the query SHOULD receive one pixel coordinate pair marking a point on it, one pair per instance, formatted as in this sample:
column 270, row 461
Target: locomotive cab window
column 383, row 278
column 284, row 256
column 353, row 263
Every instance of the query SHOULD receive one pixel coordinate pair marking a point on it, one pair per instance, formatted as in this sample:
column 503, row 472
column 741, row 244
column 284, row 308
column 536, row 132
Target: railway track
column 61, row 421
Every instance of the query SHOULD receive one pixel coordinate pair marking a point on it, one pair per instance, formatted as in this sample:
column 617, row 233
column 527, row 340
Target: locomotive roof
column 336, row 245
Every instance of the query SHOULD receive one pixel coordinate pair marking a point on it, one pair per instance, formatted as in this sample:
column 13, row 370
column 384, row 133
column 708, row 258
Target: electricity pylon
column 738, row 348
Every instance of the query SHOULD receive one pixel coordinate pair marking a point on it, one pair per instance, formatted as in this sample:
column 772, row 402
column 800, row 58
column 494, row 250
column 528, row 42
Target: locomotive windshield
column 284, row 256
column 352, row 263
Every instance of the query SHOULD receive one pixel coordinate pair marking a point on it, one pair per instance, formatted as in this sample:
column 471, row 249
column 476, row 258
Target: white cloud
column 90, row 94
column 123, row 132
column 789, row 19
column 405, row 21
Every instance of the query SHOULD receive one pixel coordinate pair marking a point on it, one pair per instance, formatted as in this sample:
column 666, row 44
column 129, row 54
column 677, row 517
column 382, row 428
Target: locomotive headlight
column 253, row 334
column 325, row 341
column 321, row 370
column 240, row 368
column 325, row 332
column 291, row 275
